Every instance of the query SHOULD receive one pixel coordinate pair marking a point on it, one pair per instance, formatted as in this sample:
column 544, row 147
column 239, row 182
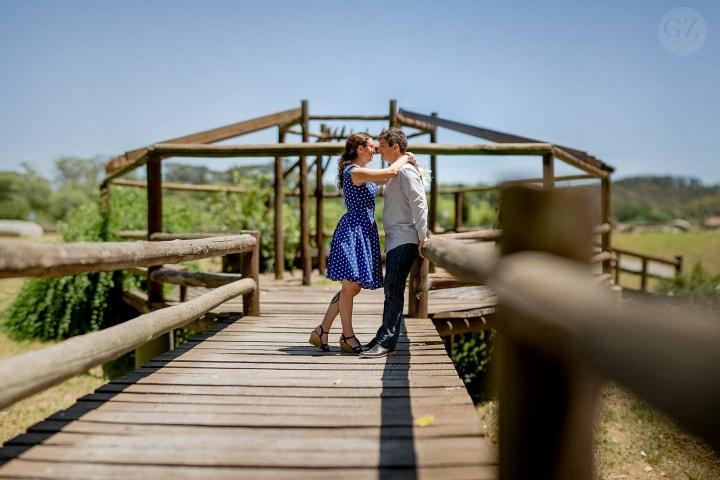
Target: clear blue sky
column 88, row 78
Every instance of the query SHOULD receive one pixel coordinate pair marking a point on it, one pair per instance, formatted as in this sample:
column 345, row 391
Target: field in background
column 702, row 246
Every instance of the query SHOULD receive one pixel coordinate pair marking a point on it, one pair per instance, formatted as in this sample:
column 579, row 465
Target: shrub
column 471, row 353
column 699, row 287
column 57, row 308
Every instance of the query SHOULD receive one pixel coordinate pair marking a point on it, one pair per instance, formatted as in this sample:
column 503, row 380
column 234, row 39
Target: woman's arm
column 361, row 175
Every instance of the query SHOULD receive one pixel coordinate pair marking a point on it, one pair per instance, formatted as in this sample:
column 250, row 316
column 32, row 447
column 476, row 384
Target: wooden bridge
column 251, row 399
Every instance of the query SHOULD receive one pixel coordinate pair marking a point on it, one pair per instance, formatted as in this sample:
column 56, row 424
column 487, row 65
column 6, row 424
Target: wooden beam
column 320, row 209
column 310, row 134
column 331, row 148
column 432, row 215
column 154, row 219
column 557, row 443
column 393, row 114
column 250, row 268
column 347, row 117
column 654, row 258
column 279, row 199
column 577, row 163
column 210, row 136
column 454, row 323
column 500, row 137
column 183, row 187
column 418, row 291
column 165, row 236
column 606, row 218
column 459, row 210
column 548, row 164
column 305, row 258
column 411, row 122
column 23, row 259
column 193, row 279
column 443, row 280
column 28, row 373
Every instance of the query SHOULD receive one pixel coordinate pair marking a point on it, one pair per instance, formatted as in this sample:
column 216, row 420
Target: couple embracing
column 355, row 250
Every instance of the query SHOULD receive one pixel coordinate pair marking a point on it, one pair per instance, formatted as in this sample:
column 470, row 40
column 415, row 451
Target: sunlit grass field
column 700, row 246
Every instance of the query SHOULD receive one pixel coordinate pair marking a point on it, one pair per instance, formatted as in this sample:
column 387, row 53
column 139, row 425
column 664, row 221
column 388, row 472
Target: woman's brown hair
column 353, row 142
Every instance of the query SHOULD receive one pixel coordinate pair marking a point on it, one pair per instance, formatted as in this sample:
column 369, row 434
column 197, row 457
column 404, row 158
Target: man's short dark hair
column 394, row 136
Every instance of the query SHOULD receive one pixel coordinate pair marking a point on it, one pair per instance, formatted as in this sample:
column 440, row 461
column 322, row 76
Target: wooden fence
column 561, row 334
column 26, row 374
column 650, row 266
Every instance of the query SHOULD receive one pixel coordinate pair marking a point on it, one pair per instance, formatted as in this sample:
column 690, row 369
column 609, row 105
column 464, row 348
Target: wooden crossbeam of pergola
column 201, row 144
column 130, row 159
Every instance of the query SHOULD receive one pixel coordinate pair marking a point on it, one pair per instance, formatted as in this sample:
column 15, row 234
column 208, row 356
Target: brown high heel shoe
column 316, row 339
column 347, row 348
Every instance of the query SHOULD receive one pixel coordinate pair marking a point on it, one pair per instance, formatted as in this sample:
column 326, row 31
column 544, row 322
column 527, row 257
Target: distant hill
column 660, row 199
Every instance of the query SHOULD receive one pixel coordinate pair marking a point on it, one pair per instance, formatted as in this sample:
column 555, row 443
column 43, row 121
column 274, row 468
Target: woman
column 355, row 249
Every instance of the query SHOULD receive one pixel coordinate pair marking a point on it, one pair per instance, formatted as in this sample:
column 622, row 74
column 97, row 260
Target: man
column 405, row 225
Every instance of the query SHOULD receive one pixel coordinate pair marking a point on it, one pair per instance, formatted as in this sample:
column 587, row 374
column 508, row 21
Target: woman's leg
column 330, row 314
column 348, row 292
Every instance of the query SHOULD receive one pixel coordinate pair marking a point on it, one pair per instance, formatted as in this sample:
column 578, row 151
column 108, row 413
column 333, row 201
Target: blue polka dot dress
column 355, row 248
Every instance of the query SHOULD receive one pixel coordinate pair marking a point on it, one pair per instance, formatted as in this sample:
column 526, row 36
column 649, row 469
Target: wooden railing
column 647, row 266
column 26, row 374
column 561, row 334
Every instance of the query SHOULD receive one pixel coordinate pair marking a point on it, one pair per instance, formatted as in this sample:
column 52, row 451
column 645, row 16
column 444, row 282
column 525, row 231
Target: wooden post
column 304, row 201
column 279, row 236
column 433, row 182
column 432, row 220
column 547, row 397
column 393, row 114
column 319, row 207
column 678, row 264
column 251, row 269
column 605, row 214
column 617, row 268
column 548, row 170
column 418, row 291
column 154, row 219
column 105, row 204
column 459, row 198
column 644, row 275
column 155, row 290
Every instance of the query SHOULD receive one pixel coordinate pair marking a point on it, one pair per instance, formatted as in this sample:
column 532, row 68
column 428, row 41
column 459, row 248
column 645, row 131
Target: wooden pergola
column 328, row 142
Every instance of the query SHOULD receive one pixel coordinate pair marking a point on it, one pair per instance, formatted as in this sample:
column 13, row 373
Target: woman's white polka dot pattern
column 355, row 248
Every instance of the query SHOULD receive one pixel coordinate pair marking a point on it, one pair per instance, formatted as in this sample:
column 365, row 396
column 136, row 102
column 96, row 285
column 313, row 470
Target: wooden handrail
column 47, row 260
column 26, row 374
column 632, row 253
column 644, row 348
column 562, row 331
column 193, row 279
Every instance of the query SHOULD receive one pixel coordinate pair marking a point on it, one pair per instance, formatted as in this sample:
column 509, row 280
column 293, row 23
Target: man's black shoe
column 378, row 351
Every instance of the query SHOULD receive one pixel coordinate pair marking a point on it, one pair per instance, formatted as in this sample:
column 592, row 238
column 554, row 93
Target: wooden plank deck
column 251, row 399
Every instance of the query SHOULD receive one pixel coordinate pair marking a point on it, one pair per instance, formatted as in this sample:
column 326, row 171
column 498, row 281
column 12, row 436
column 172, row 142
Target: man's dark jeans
column 398, row 263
